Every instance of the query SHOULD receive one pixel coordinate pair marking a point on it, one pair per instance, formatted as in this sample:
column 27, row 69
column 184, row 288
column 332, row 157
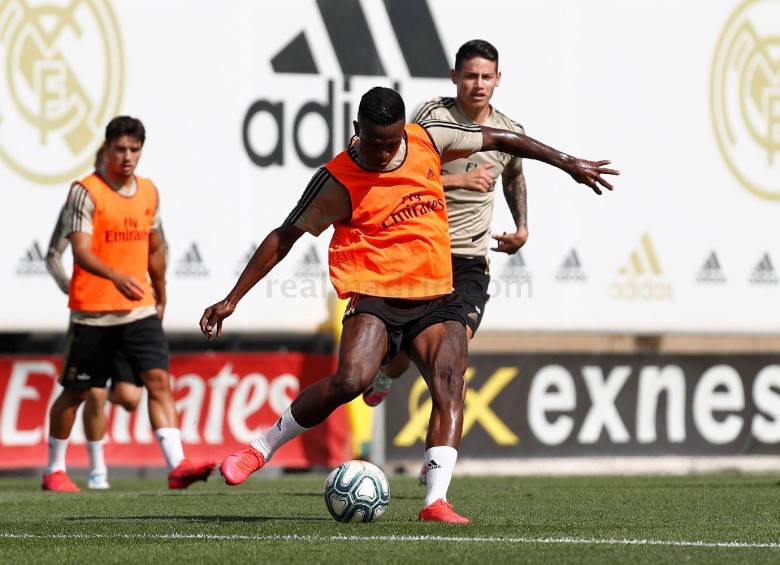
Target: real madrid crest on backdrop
column 745, row 96
column 63, row 79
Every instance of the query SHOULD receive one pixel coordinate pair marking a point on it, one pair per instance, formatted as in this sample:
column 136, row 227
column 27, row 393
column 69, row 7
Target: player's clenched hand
column 128, row 286
column 478, row 179
column 213, row 316
column 589, row 173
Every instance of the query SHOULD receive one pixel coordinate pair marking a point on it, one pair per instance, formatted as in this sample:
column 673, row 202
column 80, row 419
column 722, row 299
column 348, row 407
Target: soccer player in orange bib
column 390, row 255
column 117, row 298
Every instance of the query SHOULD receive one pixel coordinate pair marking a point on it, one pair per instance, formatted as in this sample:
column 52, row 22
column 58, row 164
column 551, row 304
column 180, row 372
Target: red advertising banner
column 224, row 401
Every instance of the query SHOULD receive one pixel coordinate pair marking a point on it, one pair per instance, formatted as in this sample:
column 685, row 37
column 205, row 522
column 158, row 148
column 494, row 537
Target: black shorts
column 470, row 277
column 406, row 319
column 95, row 354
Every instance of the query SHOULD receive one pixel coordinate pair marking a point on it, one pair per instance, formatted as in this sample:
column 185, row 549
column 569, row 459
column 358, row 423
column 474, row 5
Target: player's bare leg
column 124, row 394
column 380, row 386
column 363, row 345
column 62, row 416
column 94, row 417
column 162, row 415
column 441, row 354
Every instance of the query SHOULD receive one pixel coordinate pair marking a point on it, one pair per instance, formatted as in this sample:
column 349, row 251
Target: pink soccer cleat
column 441, row 511
column 59, row 481
column 188, row 472
column 239, row 465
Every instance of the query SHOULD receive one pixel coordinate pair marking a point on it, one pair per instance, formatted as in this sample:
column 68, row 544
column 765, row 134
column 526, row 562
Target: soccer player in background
column 117, row 298
column 390, row 255
column 124, row 393
column 469, row 188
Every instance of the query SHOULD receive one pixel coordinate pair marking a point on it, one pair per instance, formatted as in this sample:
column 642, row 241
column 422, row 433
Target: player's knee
column 447, row 383
column 95, row 398
column 348, row 382
column 69, row 398
column 127, row 399
column 157, row 382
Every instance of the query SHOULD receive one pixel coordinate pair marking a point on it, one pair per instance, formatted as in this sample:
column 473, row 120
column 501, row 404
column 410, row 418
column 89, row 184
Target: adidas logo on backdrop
column 33, row 262
column 571, row 269
column 764, row 273
column 245, row 261
column 191, row 264
column 346, row 24
column 515, row 269
column 711, row 272
column 641, row 279
column 310, row 266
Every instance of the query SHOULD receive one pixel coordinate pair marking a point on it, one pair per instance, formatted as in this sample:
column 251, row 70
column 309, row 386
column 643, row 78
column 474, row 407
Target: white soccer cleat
column 98, row 481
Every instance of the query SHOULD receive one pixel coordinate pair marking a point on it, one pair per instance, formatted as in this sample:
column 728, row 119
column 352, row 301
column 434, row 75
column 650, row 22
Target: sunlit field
column 712, row 518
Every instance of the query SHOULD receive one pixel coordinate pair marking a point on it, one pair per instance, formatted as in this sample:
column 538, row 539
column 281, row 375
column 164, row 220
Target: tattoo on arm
column 515, row 194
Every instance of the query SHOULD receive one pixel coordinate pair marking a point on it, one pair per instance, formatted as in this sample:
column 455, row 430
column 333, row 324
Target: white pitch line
column 460, row 539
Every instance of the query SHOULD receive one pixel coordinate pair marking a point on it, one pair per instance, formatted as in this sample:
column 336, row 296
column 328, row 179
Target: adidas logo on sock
column 433, row 465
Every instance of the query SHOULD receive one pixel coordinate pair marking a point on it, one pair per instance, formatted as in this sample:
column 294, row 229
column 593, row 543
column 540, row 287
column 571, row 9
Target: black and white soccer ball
column 357, row 491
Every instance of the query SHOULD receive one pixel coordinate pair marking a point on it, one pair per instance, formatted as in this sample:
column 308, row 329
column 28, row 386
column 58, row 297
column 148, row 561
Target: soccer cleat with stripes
column 59, row 481
column 236, row 467
column 441, row 511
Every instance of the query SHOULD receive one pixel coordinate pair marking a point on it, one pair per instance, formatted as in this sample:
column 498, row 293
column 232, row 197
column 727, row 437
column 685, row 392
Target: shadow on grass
column 299, row 494
column 199, row 519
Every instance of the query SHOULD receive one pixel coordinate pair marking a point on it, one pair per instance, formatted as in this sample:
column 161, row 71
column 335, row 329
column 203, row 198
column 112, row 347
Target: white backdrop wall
column 682, row 95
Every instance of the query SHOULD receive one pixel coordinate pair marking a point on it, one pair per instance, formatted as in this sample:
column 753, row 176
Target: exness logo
column 51, row 112
column 745, row 96
column 641, row 280
column 355, row 48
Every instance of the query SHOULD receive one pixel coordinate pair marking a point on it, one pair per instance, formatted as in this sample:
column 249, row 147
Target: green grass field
column 712, row 518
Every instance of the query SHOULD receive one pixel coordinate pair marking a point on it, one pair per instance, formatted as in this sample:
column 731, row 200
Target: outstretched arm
column 581, row 170
column 271, row 251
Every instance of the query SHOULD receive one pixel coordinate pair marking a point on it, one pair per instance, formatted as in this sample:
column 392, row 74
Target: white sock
column 170, row 443
column 440, row 462
column 57, row 450
column 97, row 461
column 277, row 435
column 381, row 381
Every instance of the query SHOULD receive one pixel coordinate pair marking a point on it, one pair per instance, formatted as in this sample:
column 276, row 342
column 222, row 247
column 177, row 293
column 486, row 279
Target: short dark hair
column 475, row 48
column 381, row 106
column 125, row 125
